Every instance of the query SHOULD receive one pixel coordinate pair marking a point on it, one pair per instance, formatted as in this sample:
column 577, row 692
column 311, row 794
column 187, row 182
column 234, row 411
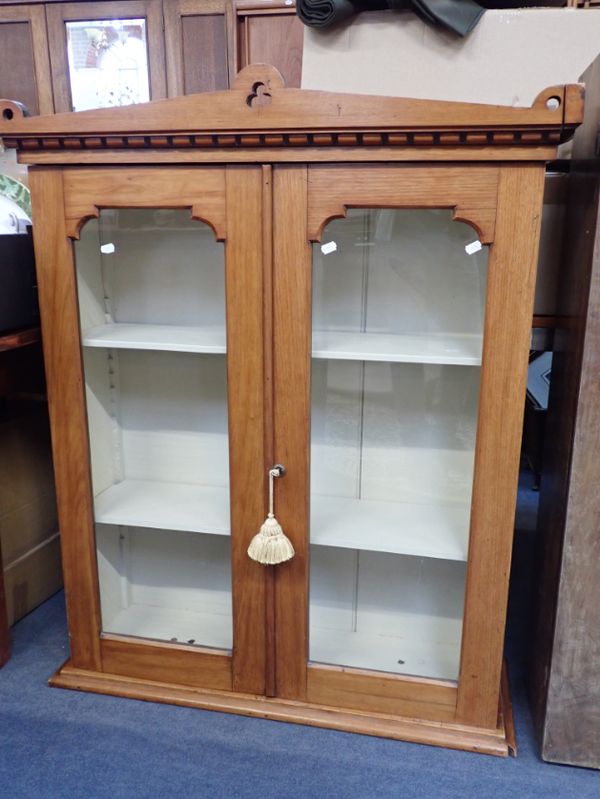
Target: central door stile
column 247, row 435
column 267, row 212
column 291, row 393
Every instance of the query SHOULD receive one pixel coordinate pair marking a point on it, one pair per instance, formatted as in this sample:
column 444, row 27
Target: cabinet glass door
column 398, row 303
column 152, row 313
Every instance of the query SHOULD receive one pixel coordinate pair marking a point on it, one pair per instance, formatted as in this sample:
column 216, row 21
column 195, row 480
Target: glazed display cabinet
column 335, row 284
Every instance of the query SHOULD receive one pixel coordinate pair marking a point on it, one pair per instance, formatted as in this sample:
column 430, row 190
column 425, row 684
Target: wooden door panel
column 471, row 194
column 221, row 198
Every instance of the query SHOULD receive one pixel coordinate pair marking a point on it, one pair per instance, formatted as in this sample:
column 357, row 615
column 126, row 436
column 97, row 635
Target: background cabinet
column 76, row 55
column 416, row 342
column 24, row 57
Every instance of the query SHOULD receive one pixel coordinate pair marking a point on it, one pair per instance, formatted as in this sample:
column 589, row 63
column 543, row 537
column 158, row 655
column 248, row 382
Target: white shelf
column 435, row 348
column 165, row 624
column 422, row 656
column 165, row 506
column 430, row 531
column 438, row 348
column 157, row 337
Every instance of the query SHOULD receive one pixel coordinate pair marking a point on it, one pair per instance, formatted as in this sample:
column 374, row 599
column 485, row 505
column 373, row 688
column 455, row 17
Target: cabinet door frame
column 483, row 196
column 58, row 14
column 35, row 16
column 220, row 196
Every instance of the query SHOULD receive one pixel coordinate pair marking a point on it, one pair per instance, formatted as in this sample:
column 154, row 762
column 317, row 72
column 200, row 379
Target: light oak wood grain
column 245, row 386
column 292, row 348
column 268, row 414
column 509, row 305
column 452, row 736
column 66, row 404
column 472, row 193
column 171, row 663
column 282, row 155
column 202, row 190
column 303, row 112
column 381, row 693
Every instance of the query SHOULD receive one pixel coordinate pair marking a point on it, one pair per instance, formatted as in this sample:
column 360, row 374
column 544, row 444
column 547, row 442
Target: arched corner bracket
column 74, row 224
column 216, row 225
column 482, row 220
column 316, row 226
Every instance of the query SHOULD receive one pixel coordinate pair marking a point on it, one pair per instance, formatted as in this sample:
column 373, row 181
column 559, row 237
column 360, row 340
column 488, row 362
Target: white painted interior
column 158, row 424
column 165, row 585
column 370, row 610
column 393, row 438
column 397, row 346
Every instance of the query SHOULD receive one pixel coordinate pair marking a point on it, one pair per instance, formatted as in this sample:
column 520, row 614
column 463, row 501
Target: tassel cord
column 273, row 473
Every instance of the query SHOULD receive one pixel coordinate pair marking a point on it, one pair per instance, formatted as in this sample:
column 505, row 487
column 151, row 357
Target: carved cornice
column 259, row 112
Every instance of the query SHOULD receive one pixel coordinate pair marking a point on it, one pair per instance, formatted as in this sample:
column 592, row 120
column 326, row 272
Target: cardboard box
column 507, row 59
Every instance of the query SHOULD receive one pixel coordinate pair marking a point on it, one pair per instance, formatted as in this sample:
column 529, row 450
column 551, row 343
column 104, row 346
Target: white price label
column 473, row 247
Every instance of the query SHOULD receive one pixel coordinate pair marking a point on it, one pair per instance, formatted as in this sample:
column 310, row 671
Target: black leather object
column 459, row 16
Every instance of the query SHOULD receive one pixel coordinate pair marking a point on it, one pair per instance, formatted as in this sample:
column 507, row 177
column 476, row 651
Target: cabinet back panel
column 166, row 268
column 365, row 606
column 393, row 431
column 157, row 583
column 399, row 271
column 157, row 416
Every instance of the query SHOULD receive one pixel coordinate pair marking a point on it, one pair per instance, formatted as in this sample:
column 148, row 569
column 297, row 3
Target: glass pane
column 397, row 336
column 108, row 63
column 152, row 309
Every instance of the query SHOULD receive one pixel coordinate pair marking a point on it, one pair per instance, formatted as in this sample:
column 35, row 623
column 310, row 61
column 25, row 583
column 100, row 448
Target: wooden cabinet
column 81, row 55
column 196, row 37
column 24, row 57
column 565, row 652
column 106, row 53
column 268, row 32
column 342, row 285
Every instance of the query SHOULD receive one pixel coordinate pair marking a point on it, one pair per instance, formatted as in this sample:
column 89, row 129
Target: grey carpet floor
column 56, row 743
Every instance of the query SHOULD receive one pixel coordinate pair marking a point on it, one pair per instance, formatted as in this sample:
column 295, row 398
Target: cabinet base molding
column 499, row 741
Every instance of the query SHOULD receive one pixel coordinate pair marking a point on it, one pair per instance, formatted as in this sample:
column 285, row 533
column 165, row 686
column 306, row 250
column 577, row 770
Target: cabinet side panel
column 511, row 283
column 60, row 328
column 244, row 289
column 292, row 342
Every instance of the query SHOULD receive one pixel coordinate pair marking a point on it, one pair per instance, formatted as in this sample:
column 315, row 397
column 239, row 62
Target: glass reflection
column 108, row 63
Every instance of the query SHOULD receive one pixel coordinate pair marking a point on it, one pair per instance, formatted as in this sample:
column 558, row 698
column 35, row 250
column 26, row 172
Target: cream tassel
column 271, row 545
